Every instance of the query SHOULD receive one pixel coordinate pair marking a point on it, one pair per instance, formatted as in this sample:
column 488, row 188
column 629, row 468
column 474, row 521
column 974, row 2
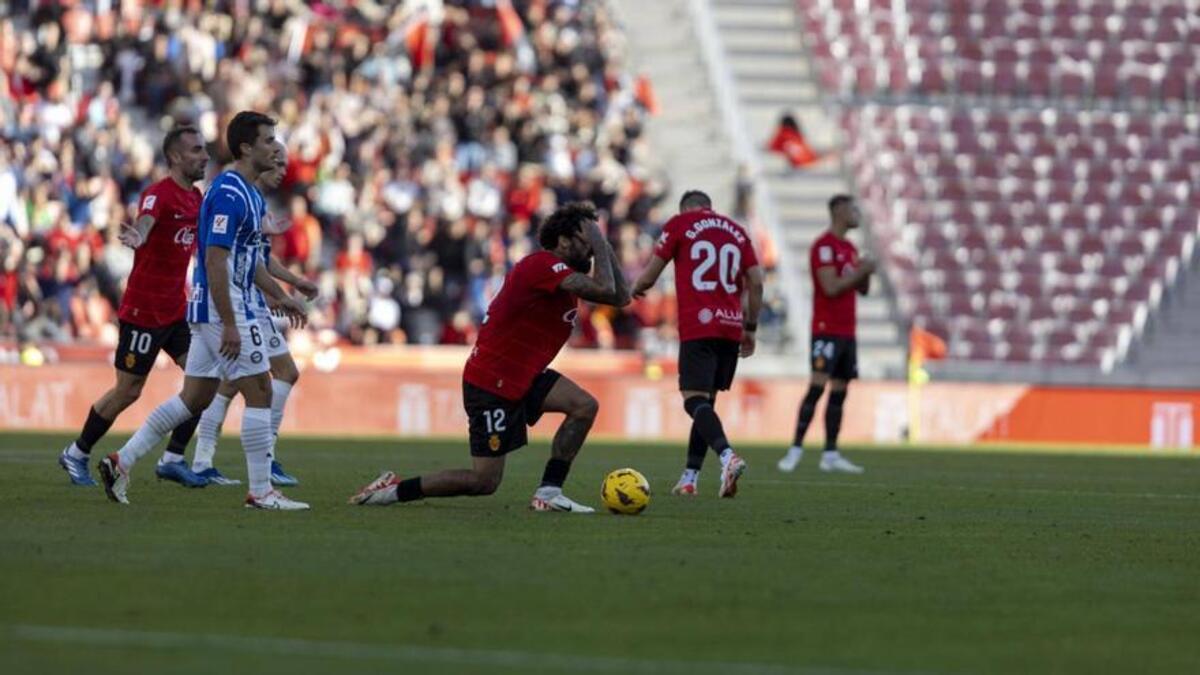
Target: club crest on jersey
column 559, row 267
column 825, row 253
column 148, row 202
column 494, row 442
column 220, row 224
column 705, row 316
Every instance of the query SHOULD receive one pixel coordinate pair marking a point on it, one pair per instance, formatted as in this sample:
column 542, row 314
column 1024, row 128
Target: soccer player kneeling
column 506, row 383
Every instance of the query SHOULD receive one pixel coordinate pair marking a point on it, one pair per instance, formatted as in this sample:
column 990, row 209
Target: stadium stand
column 424, row 148
column 1028, row 166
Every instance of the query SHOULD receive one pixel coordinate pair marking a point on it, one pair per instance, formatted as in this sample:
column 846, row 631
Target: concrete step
column 754, row 15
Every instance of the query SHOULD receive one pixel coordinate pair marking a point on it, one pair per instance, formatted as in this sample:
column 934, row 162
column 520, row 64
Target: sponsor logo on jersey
column 220, row 224
column 729, row 315
column 570, row 316
column 706, row 315
column 185, row 236
column 148, row 202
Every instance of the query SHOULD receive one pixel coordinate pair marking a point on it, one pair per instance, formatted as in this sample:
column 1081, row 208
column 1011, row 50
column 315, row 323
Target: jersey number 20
column 728, row 262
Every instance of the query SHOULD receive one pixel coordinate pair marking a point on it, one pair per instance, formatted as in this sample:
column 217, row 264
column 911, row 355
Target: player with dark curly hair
column 507, row 385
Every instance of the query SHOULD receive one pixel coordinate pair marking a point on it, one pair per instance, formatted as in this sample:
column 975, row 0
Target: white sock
column 726, row 454
column 161, row 421
column 256, row 441
column 170, row 458
column 547, row 492
column 831, row 454
column 280, row 391
column 75, row 453
column 795, row 453
column 690, row 476
column 208, row 431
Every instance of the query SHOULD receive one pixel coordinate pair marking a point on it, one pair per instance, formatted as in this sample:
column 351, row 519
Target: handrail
column 744, row 150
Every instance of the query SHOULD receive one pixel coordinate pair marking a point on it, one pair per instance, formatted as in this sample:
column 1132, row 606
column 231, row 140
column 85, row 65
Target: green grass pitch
column 932, row 562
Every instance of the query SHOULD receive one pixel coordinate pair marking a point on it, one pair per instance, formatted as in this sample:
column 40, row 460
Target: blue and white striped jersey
column 230, row 217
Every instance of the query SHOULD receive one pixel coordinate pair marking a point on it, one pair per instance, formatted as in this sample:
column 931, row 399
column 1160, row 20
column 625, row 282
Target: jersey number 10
column 728, row 262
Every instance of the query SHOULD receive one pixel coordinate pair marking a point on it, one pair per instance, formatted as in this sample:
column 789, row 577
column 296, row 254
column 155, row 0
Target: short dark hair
column 566, row 221
column 243, row 128
column 838, row 200
column 694, row 199
column 173, row 137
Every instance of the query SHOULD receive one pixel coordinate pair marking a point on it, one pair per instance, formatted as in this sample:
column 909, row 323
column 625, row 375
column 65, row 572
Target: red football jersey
column 156, row 294
column 527, row 323
column 711, row 254
column 833, row 315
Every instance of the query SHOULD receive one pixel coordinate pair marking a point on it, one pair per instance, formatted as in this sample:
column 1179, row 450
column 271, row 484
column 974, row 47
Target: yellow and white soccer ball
column 626, row 492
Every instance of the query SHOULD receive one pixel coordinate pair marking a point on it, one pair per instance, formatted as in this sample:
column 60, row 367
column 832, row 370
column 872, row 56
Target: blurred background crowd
column 426, row 141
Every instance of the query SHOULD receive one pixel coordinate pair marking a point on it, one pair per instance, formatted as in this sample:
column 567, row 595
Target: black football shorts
column 138, row 347
column 497, row 425
column 835, row 356
column 708, row 364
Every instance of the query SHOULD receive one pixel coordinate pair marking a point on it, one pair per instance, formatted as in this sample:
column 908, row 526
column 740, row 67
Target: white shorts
column 205, row 359
column 276, row 343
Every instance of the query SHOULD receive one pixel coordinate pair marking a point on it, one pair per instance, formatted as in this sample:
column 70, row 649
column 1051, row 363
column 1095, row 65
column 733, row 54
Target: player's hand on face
column 748, row 344
column 130, row 236
column 231, row 342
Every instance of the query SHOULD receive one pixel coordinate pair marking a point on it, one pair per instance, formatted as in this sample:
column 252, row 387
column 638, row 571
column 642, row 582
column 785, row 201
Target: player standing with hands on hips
column 837, row 274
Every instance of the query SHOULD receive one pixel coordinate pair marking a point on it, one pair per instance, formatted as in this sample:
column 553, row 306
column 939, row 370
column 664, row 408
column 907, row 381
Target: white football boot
column 379, row 492
column 838, row 464
column 560, row 503
column 115, row 479
column 791, row 460
column 731, row 471
column 274, row 501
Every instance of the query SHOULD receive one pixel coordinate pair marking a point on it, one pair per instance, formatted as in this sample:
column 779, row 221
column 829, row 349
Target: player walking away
column 715, row 265
column 227, row 342
column 837, row 272
column 154, row 304
column 284, row 372
column 506, row 383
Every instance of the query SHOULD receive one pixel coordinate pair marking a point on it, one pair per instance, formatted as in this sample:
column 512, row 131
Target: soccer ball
column 625, row 491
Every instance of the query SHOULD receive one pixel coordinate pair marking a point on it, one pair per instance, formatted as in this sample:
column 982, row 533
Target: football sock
column 280, row 391
column 807, row 409
column 207, row 432
column 696, row 450
column 833, row 418
column 726, row 454
column 256, row 441
column 556, row 472
column 705, row 420
column 75, row 453
column 170, row 458
column 690, row 476
column 158, row 424
column 93, row 430
column 409, row 490
column 180, row 437
column 795, row 453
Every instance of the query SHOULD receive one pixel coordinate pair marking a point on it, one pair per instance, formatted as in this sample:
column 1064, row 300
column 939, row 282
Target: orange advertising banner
column 411, row 401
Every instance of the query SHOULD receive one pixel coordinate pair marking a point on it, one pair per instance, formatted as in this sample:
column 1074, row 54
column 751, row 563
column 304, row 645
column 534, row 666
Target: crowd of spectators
column 426, row 140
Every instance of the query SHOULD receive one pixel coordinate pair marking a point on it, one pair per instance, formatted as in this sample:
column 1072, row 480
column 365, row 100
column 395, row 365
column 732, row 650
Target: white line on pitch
column 971, row 488
column 359, row 651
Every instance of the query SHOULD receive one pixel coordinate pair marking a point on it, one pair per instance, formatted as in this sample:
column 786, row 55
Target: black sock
column 807, row 409
column 697, row 449
column 409, row 490
column 93, row 430
column 556, row 472
column 182, row 435
column 833, row 418
column 707, row 423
